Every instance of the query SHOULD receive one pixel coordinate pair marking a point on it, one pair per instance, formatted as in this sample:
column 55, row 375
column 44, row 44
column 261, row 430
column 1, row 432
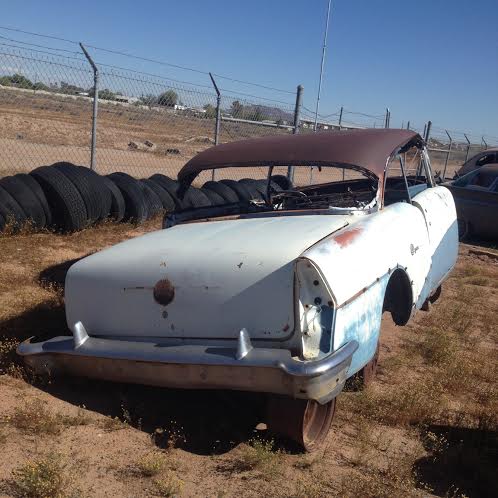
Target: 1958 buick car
column 281, row 294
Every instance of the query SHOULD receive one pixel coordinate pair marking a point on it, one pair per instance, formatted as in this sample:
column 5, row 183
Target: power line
column 146, row 59
column 39, row 46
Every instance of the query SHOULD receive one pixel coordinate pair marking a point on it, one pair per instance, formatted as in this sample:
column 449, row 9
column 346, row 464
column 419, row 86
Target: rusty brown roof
column 368, row 149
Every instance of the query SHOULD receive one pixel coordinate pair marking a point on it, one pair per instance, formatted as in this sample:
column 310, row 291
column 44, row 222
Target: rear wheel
column 306, row 422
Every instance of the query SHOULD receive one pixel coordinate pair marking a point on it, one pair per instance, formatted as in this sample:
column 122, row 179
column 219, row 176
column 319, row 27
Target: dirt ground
column 36, row 129
column 426, row 427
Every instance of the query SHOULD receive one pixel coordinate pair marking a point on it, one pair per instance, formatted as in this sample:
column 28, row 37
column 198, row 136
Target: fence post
column 218, row 116
column 427, row 132
column 447, row 154
column 340, row 118
column 386, row 119
column 93, row 157
column 297, row 119
column 485, row 143
column 408, row 125
column 468, row 147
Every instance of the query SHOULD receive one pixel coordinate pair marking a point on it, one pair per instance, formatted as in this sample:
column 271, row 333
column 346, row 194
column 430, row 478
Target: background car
column 476, row 200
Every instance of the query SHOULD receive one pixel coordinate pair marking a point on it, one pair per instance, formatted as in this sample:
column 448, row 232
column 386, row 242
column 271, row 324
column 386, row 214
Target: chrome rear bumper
column 192, row 366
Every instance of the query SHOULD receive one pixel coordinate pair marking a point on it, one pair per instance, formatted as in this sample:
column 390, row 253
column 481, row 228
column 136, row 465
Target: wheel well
column 398, row 298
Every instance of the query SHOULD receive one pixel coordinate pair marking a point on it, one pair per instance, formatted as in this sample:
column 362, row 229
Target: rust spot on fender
column 347, row 236
column 164, row 292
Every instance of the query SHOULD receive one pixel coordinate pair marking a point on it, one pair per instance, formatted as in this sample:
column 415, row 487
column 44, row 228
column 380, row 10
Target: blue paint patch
column 360, row 321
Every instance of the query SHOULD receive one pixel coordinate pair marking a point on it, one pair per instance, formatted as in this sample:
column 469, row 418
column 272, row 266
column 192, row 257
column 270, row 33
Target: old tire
column 243, row 193
column 117, row 210
column 196, row 198
column 13, row 211
column 100, row 189
column 282, row 181
column 167, row 202
column 66, row 204
column 223, row 190
column 171, row 186
column 26, row 199
column 253, row 188
column 154, row 204
column 40, row 195
column 135, row 204
column 306, row 422
column 216, row 199
column 85, row 188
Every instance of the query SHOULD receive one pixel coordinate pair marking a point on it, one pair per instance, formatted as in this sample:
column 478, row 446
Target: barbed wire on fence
column 147, row 122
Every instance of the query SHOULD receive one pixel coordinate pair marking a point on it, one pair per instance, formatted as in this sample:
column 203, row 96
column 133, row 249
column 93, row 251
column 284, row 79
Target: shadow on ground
column 465, row 464
column 201, row 422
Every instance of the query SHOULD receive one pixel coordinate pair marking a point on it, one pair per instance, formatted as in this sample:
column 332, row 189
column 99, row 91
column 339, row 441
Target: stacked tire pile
column 67, row 198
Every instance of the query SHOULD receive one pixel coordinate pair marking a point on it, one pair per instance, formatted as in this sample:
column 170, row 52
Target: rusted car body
column 476, row 200
column 488, row 156
column 282, row 296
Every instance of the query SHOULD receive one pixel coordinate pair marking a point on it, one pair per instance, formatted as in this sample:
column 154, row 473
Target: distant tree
column 17, row 80
column 70, row 89
column 148, row 99
column 258, row 114
column 169, row 98
column 106, row 94
column 41, row 86
column 237, row 109
column 210, row 111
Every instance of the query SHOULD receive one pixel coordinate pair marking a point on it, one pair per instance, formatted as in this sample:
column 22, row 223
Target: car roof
column 470, row 165
column 367, row 149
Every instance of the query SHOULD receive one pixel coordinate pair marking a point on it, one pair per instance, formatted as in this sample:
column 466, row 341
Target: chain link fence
column 147, row 124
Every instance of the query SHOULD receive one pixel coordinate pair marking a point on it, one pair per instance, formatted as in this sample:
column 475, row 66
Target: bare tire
column 197, row 198
column 40, row 195
column 85, row 187
column 66, row 204
column 168, row 204
column 225, row 191
column 240, row 189
column 154, row 204
column 306, row 422
column 253, row 188
column 171, row 186
column 100, row 189
column 117, row 210
column 282, row 181
column 216, row 199
column 10, row 209
column 135, row 205
column 26, row 199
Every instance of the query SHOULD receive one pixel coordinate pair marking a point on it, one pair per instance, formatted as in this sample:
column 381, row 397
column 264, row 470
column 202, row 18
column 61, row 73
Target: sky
column 426, row 59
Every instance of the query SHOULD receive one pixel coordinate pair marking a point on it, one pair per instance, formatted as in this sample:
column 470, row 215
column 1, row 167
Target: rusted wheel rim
column 317, row 419
column 305, row 422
